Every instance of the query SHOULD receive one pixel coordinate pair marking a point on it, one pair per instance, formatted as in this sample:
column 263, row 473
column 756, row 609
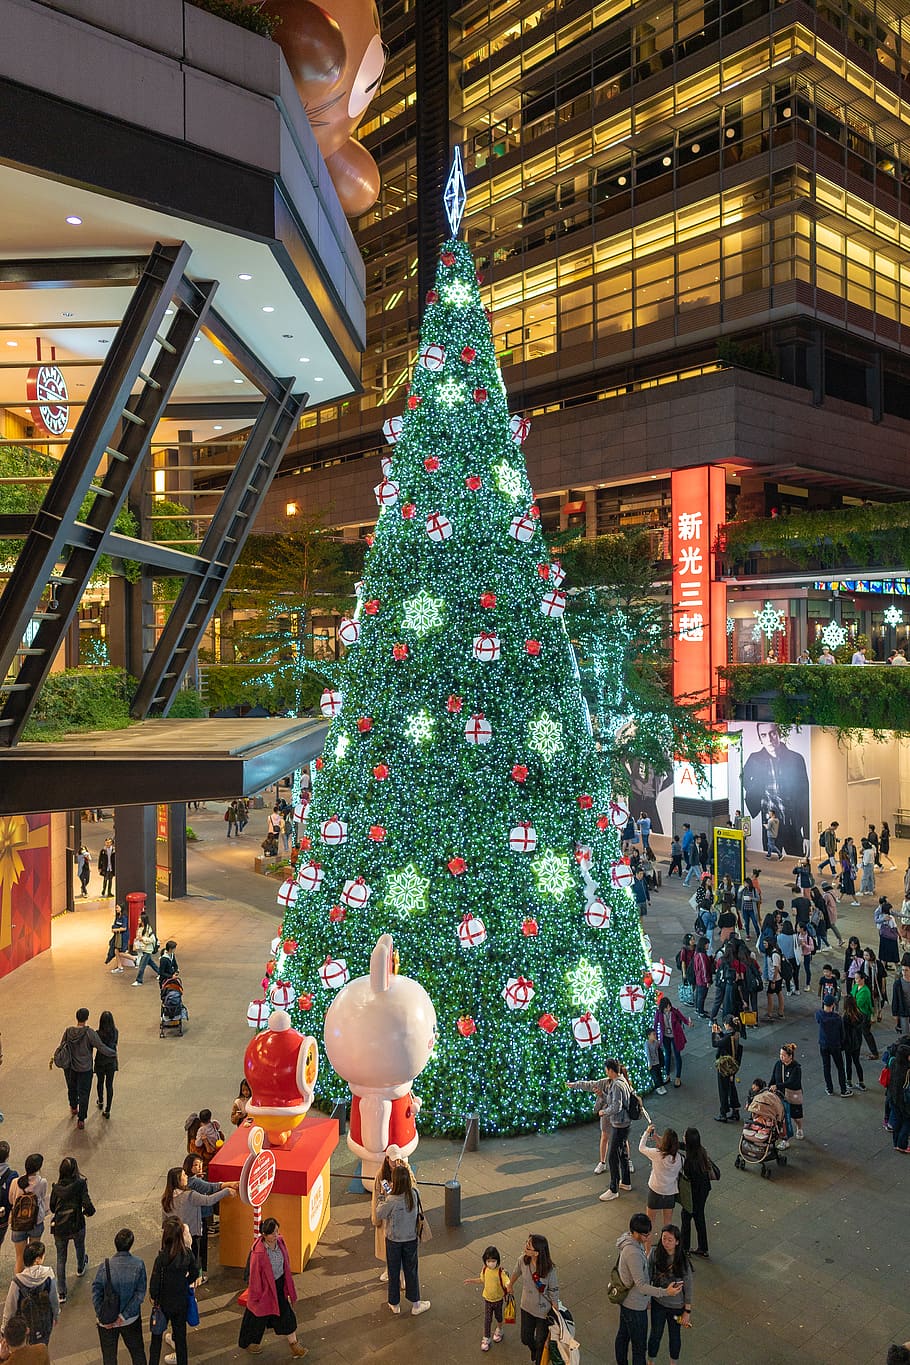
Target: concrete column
column 176, row 829
column 134, row 837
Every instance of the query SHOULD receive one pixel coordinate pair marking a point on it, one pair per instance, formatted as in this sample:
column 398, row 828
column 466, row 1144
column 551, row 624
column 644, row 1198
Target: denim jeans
column 664, row 1317
column 750, row 917
column 671, row 1051
column 78, row 1241
column 402, row 1256
column 633, row 1328
column 900, row 1134
column 146, row 960
column 79, row 1090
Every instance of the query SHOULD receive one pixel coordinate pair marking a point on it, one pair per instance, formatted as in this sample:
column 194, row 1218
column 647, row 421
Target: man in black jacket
column 106, row 859
column 900, row 996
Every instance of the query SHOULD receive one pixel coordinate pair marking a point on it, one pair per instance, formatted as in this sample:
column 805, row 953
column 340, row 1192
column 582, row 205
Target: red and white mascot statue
column 281, row 1066
column 380, row 1031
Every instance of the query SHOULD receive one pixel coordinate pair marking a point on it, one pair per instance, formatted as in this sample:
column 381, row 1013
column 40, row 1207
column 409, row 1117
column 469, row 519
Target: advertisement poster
column 770, row 773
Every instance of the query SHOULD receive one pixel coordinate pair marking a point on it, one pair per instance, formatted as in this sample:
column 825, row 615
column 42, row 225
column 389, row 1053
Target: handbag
column 157, row 1321
column 109, row 1311
column 192, row 1307
column 424, row 1231
column 617, row 1289
column 793, row 1096
column 508, row 1309
column 748, row 1018
column 684, row 1193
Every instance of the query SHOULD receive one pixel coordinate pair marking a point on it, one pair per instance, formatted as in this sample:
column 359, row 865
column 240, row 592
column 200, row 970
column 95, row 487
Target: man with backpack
column 33, row 1296
column 829, row 845
column 74, row 1057
column 117, row 1293
column 7, row 1176
column 622, row 1105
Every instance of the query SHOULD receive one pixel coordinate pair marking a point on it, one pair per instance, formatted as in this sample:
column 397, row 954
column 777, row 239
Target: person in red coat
column 271, row 1293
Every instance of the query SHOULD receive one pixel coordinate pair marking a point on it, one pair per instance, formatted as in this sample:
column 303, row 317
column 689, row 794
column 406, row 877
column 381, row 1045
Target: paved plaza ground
column 807, row 1267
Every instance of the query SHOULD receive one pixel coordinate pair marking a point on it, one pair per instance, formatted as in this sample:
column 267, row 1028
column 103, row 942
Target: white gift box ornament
column 432, row 357
column 439, row 528
column 597, row 913
column 334, row 831
column 519, row 427
column 287, row 894
column 334, row 973
column 553, row 603
column 478, row 730
column 355, row 893
column 619, row 812
column 330, row 702
column 660, row 973
column 257, row 1015
column 282, row 995
column 471, row 931
column 486, row 647
column 586, row 1030
column 523, row 838
column 310, row 877
column 621, row 874
column 391, row 429
column 348, row 631
column 518, row 992
column 386, row 493
column 632, row 999
column 522, row 528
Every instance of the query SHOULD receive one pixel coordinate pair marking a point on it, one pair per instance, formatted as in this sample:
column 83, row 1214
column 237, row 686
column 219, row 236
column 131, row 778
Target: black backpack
column 633, row 1107
column 5, row 1187
column 35, row 1308
column 786, row 970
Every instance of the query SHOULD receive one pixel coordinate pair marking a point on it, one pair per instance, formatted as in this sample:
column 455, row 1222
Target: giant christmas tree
column 459, row 803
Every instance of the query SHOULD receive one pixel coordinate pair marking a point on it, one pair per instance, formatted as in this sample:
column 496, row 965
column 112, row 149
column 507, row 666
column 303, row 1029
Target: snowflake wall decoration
column 834, row 635
column 420, row 727
column 422, row 613
column 458, row 293
column 586, row 982
column 769, row 620
column 406, row 891
column 551, row 872
column 546, row 736
column 451, row 393
column 893, row 616
column 508, row 480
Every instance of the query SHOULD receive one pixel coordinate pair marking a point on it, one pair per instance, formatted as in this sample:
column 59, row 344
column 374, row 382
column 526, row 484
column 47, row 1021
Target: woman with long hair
column 105, row 1067
column 70, row 1205
column 381, row 1183
column 539, row 1293
column 666, row 1164
column 271, row 1294
column 175, row 1269
column 192, row 1166
column 853, row 1043
column 238, row 1108
column 399, row 1212
column 877, row 980
column 186, row 1202
column 669, row 1264
column 787, row 1081
column 848, row 871
column 699, row 1170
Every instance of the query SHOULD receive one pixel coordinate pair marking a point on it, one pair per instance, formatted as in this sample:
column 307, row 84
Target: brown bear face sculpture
column 337, row 58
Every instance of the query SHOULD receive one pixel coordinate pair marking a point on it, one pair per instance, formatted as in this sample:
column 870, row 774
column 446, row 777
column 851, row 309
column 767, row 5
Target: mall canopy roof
column 156, row 761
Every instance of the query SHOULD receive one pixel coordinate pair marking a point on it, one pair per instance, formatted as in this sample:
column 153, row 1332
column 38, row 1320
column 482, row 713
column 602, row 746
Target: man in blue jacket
column 129, row 1283
column 831, row 1046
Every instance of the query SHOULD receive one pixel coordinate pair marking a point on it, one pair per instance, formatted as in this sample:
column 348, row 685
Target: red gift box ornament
column 457, row 866
column 290, row 947
column 534, row 511
column 377, row 833
column 381, row 772
column 368, row 540
column 529, row 927
column 488, row 600
column 472, row 483
column 372, row 607
column 399, row 652
column 454, row 705
column 603, row 822
column 432, row 296
column 337, row 914
column 519, row 773
column 431, row 464
column 319, row 765
column 414, row 401
column 548, row 1022
column 466, row 1026
column 305, row 1001
column 648, row 979
column 585, row 802
column 305, row 843
column 532, row 647
column 468, row 355
column 448, row 258
column 408, row 511
column 365, row 724
column 543, row 571
column 480, row 395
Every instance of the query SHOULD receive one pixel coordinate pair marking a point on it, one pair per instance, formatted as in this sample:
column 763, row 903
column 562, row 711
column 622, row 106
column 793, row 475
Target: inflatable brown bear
column 336, row 58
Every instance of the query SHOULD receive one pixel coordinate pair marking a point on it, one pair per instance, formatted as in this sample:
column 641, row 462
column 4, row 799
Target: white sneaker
column 138, row 983
column 394, row 1308
column 807, row 990
column 600, row 1168
column 607, row 1195
column 624, row 1187
column 171, row 1359
column 799, row 1135
column 419, row 1308
column 661, row 1090
column 115, row 970
column 384, row 1277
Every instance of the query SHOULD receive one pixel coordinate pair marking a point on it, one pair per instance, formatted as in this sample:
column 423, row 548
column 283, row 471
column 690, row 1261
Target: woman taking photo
column 787, row 1081
column 663, row 1182
column 862, row 994
column 175, row 1269
column 181, row 1201
column 668, row 1264
column 106, row 1066
column 398, row 1212
column 539, row 1293
column 699, row 1170
column 271, row 1293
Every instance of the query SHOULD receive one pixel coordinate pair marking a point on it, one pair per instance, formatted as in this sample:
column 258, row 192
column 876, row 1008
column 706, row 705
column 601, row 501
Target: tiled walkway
column 808, row 1267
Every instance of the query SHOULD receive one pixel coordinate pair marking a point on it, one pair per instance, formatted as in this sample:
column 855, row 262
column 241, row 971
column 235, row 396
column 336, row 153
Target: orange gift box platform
column 300, row 1197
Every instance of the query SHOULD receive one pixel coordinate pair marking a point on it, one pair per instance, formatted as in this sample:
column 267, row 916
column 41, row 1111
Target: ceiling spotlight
column 238, row 381
column 168, row 312
column 667, row 161
column 267, row 308
column 303, row 360
column 217, row 362
column 244, row 277
column 216, row 428
column 786, row 111
column 730, row 132
column 318, row 379
column 621, row 180
column 74, row 220
column 696, row 148
column 12, row 343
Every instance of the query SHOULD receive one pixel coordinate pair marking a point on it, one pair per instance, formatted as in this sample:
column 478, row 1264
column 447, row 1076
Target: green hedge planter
column 864, row 537
column 838, row 697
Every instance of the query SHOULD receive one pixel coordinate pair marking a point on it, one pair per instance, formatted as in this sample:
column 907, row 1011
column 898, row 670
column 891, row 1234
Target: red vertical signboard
column 699, row 604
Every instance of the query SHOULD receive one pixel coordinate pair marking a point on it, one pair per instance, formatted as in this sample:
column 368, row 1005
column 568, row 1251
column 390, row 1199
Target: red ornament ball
column 270, row 967
column 534, row 511
column 488, row 600
column 408, row 510
column 457, row 866
column 431, row 465
column 520, row 773
column 381, row 772
column 585, row 802
column 372, row 607
column 337, row 914
column 548, row 1022
column 480, row 395
column 468, row 355
column 365, row 724
column 603, row 822
column 305, row 1001
column 472, row 482
column 532, row 647
column 377, row 833
column 399, row 651
column 454, row 705
column 448, row 258
column 414, row 401
column 530, row 927
column 432, row 296
column 466, row 1026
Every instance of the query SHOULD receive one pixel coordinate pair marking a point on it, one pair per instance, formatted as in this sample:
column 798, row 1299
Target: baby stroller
column 763, row 1130
column 173, row 1010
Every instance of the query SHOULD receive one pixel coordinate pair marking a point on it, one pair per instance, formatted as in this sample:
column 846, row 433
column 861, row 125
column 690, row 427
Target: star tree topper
column 455, row 196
